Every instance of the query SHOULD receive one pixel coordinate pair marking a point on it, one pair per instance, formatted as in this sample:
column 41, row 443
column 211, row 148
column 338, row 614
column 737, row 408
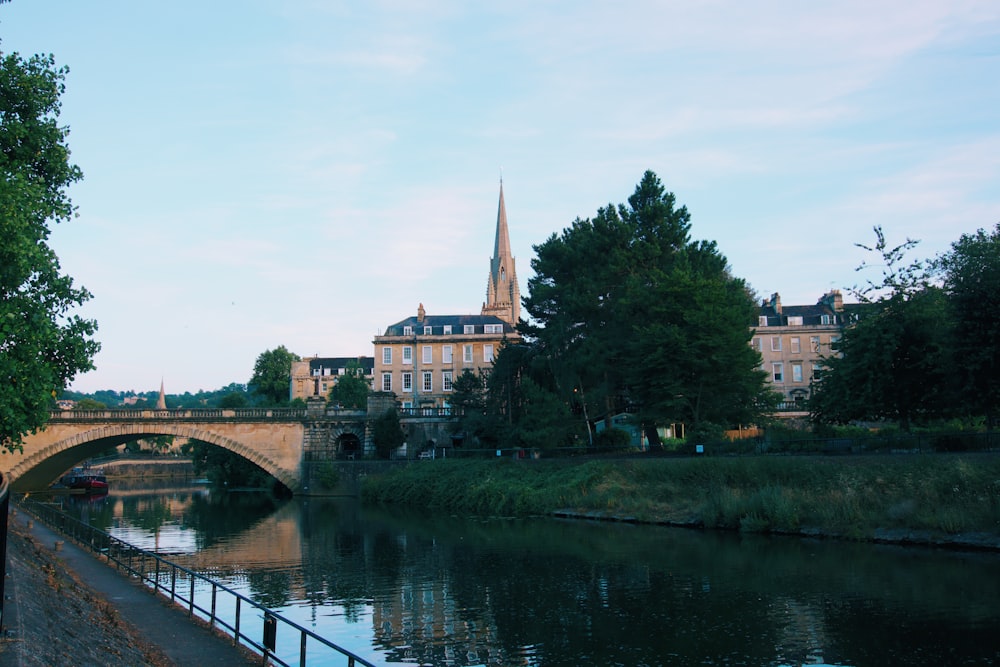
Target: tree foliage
column 387, row 433
column 630, row 314
column 272, row 376
column 225, row 468
column 894, row 362
column 971, row 276
column 351, row 388
column 43, row 344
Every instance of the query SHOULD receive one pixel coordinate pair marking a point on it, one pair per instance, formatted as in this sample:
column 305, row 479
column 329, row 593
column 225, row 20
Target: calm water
column 407, row 587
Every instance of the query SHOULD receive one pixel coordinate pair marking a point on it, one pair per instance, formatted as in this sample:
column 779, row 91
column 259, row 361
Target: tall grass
column 849, row 496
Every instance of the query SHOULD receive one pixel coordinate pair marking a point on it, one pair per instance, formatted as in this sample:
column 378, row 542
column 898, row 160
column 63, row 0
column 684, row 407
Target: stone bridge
column 283, row 442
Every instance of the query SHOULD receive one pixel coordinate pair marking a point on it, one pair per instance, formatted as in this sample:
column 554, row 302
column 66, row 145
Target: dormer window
column 407, row 331
column 469, row 329
column 427, row 331
column 794, row 320
column 762, row 321
column 447, row 330
column 492, row 328
column 824, row 319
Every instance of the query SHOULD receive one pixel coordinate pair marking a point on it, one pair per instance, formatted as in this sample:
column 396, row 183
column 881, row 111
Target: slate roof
column 367, row 364
column 438, row 322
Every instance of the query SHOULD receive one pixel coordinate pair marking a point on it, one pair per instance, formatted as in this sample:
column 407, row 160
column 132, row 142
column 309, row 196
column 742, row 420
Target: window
column 407, row 331
column 469, row 329
column 446, row 381
column 493, row 328
column 428, row 381
column 447, row 330
column 387, row 356
column 796, row 372
column 467, row 353
column 487, row 353
column 428, row 330
column 755, row 343
column 834, row 340
column 762, row 321
column 794, row 345
column 428, row 355
column 778, row 372
column 775, row 346
column 824, row 319
column 407, row 381
column 386, row 381
column 446, row 354
column 407, row 354
column 814, row 343
column 794, row 320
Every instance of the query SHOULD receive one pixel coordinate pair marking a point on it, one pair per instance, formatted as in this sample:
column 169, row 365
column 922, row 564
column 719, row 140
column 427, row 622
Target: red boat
column 89, row 481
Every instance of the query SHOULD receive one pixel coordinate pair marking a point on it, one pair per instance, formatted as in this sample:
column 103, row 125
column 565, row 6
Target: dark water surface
column 411, row 587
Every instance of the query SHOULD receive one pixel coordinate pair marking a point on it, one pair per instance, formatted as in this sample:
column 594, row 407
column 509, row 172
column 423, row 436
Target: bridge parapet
column 241, row 414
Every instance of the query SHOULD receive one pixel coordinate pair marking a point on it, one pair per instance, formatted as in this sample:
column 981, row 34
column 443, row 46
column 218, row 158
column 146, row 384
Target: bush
column 613, row 438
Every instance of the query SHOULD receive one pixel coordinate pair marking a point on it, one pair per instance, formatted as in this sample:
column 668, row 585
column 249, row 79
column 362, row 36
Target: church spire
column 161, row 401
column 503, row 297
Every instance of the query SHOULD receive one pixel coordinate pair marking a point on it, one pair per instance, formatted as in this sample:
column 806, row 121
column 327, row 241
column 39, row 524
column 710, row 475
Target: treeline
column 231, row 396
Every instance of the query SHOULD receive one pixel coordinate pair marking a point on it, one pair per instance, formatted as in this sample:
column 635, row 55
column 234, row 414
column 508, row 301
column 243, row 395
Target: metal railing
column 247, row 622
column 4, row 521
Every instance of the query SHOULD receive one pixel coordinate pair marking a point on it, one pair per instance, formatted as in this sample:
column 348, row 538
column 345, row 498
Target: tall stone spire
column 503, row 296
column 161, row 401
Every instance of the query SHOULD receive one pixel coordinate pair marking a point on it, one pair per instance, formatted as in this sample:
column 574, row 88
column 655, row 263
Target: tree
column 272, row 375
column 633, row 315
column 233, row 400
column 893, row 363
column 971, row 272
column 43, row 344
column 351, row 388
column 387, row 434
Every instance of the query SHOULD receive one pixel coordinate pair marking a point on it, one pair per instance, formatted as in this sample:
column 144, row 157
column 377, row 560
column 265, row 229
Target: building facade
column 315, row 376
column 793, row 340
column 419, row 358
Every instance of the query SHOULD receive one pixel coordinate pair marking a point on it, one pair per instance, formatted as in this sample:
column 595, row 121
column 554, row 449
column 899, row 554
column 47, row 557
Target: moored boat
column 89, row 481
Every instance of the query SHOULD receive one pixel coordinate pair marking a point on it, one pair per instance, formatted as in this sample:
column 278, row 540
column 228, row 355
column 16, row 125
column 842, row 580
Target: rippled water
column 407, row 587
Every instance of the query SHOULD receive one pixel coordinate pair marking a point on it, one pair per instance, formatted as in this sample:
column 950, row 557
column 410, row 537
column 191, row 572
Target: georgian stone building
column 419, row 358
column 315, row 376
column 792, row 340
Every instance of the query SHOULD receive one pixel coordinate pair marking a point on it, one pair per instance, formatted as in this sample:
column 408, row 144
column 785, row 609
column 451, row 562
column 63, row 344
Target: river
column 412, row 587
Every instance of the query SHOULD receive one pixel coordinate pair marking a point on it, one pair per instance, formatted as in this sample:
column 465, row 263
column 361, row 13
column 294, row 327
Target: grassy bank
column 853, row 497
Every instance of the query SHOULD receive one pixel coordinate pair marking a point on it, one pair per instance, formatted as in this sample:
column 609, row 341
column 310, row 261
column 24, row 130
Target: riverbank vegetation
column 941, row 496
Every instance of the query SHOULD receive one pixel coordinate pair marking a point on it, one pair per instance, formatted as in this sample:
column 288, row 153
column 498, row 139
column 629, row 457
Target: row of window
column 794, row 343
column 778, row 371
column 446, row 330
column 427, row 354
column 426, row 381
column 796, row 320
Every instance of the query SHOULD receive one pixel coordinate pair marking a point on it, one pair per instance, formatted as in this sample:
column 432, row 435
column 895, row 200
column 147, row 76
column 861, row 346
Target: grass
column 846, row 496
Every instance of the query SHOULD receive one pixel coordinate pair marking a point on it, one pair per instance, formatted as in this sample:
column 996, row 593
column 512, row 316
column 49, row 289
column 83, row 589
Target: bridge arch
column 45, row 465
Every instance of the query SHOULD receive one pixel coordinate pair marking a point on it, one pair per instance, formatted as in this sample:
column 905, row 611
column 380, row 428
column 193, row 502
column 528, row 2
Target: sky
column 306, row 172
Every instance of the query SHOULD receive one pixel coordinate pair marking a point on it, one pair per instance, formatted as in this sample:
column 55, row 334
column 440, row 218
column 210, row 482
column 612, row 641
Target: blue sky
column 305, row 173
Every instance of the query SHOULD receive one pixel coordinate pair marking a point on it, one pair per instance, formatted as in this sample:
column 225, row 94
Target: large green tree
column 971, row 272
column 634, row 315
column 894, row 361
column 43, row 345
column 351, row 388
column 272, row 375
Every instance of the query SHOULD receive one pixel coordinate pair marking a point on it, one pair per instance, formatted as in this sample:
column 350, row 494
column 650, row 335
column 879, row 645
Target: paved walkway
column 185, row 641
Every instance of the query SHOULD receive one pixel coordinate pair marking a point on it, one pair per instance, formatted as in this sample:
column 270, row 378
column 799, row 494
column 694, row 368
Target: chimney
column 776, row 303
column 833, row 300
column 420, row 314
